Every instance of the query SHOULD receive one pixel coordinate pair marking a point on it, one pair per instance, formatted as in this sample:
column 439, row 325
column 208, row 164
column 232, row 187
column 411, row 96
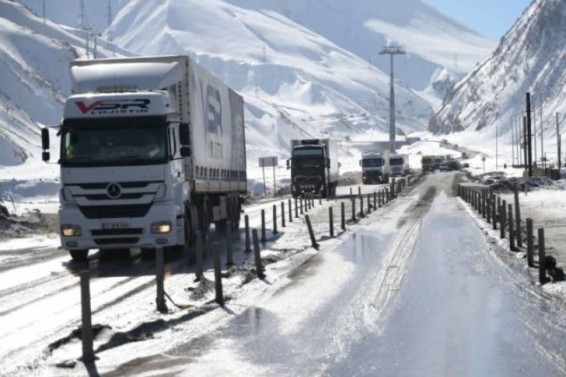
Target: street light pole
column 391, row 51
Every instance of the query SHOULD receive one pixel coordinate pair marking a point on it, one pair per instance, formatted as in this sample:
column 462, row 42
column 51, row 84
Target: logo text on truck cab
column 109, row 107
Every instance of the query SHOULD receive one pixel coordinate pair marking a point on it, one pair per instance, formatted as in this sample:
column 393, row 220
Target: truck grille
column 113, row 212
column 116, row 232
column 116, row 241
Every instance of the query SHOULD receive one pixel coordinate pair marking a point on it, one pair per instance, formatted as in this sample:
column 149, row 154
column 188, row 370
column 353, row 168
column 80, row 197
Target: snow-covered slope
column 531, row 58
column 300, row 64
column 295, row 82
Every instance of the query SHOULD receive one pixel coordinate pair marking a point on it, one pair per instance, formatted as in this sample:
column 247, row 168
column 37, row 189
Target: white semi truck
column 399, row 165
column 375, row 167
column 152, row 151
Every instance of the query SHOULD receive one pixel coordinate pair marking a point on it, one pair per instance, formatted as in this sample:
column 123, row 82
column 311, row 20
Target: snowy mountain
column 530, row 58
column 300, row 64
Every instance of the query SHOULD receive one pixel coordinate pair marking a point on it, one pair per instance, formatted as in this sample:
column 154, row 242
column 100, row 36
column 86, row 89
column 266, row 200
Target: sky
column 491, row 18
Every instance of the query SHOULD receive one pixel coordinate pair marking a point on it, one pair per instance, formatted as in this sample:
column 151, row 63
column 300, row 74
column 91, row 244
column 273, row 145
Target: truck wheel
column 80, row 255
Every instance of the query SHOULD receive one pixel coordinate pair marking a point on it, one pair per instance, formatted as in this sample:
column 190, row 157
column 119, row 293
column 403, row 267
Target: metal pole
column 558, row 143
column 86, row 317
column 199, row 273
column 160, row 277
column 274, row 219
column 257, row 255
column 343, row 215
column 264, row 185
column 541, row 256
column 290, row 211
column 218, row 276
column 517, row 216
column 274, row 182
column 529, row 137
column 229, row 238
column 331, row 221
column 263, row 239
column 391, row 51
column 248, row 247
column 530, row 243
column 511, row 232
column 311, row 232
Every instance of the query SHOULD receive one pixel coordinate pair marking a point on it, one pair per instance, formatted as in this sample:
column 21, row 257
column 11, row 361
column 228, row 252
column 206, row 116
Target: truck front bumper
column 159, row 227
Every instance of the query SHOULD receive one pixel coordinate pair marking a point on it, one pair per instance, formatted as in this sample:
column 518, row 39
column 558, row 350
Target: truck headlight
column 161, row 227
column 71, row 230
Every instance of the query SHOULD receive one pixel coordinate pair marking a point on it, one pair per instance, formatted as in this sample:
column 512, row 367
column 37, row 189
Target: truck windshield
column 372, row 162
column 115, row 141
column 308, row 158
column 396, row 161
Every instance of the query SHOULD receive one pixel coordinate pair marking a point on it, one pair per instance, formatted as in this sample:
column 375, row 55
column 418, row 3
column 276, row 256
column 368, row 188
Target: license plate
column 114, row 225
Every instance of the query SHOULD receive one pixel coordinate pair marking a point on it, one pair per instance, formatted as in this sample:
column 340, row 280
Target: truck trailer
column 152, row 151
column 375, row 167
column 314, row 167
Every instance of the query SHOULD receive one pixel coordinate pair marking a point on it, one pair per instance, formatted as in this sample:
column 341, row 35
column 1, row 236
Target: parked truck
column 152, row 151
column 399, row 165
column 314, row 167
column 375, row 167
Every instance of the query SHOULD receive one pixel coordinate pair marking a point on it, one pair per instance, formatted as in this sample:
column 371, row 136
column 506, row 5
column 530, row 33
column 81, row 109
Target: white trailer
column 152, row 150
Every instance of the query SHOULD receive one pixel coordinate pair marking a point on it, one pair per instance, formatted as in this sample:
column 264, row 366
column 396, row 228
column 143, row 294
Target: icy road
column 415, row 290
column 418, row 292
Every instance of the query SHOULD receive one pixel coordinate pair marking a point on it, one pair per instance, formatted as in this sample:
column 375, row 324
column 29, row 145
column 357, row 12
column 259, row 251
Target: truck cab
column 375, row 167
column 314, row 167
column 399, row 165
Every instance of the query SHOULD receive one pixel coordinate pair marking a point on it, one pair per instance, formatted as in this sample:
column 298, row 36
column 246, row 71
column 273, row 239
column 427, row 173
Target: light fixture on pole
column 392, row 51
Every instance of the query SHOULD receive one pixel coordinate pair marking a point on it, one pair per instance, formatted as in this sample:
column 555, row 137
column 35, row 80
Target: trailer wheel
column 80, row 255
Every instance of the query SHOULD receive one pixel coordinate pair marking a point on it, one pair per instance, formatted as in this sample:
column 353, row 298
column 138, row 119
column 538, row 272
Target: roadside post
column 247, row 247
column 86, row 318
column 362, row 215
column 257, row 255
column 282, row 214
column 369, row 203
column 301, row 201
column 229, row 239
column 353, row 210
column 290, row 211
column 502, row 221
column 343, row 215
column 199, row 273
column 331, row 221
column 530, row 243
column 511, row 230
column 296, row 209
column 160, row 277
column 263, row 239
column 541, row 257
column 314, row 244
column 274, row 219
column 217, row 276
column 518, row 216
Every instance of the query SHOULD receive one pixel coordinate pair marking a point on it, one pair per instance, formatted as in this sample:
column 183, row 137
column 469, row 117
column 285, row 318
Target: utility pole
column 541, row 134
column 529, row 137
column 558, row 142
column 392, row 51
column 512, row 143
column 496, row 148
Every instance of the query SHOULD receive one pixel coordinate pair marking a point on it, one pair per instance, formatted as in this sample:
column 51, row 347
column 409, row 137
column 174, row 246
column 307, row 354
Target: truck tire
column 80, row 255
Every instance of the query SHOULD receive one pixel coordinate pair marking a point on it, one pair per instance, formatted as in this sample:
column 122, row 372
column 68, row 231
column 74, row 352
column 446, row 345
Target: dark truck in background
column 314, row 167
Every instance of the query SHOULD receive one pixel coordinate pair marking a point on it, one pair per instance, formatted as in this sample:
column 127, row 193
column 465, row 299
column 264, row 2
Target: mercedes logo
column 114, row 190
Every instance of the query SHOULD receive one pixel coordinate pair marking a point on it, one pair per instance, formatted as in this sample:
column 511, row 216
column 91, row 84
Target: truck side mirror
column 288, row 163
column 327, row 163
column 184, row 137
column 360, row 162
column 45, row 156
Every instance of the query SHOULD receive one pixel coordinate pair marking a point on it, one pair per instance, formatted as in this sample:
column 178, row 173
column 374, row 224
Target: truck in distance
column 375, row 167
column 399, row 165
column 152, row 151
column 314, row 167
